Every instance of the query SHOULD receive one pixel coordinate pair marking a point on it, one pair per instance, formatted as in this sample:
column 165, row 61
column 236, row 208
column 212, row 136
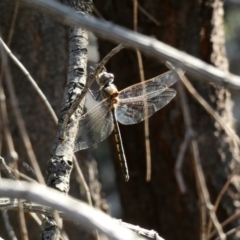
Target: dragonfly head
column 105, row 78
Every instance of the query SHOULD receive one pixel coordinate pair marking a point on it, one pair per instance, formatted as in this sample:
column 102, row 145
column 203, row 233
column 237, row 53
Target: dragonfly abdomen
column 120, row 149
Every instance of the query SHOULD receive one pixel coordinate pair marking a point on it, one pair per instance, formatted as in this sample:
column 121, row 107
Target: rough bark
column 41, row 44
column 191, row 27
column 60, row 165
column 46, row 61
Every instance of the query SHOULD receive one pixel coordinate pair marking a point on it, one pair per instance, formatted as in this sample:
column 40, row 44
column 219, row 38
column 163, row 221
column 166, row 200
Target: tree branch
column 60, row 165
column 75, row 210
column 147, row 45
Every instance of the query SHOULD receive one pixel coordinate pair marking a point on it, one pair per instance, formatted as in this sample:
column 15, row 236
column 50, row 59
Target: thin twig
column 6, row 169
column 179, row 162
column 225, row 187
column 13, row 22
column 3, row 112
column 203, row 193
column 98, row 14
column 141, row 231
column 201, row 179
column 8, row 225
column 19, row 119
column 148, row 45
column 203, row 209
column 230, row 232
column 225, row 223
column 31, row 80
column 220, row 195
column 135, row 15
column 189, row 135
column 24, row 176
column 9, row 173
column 23, row 227
column 153, row 19
column 141, row 74
column 229, row 131
column 5, row 127
column 199, row 173
column 91, row 78
column 82, row 181
column 146, row 123
column 75, row 210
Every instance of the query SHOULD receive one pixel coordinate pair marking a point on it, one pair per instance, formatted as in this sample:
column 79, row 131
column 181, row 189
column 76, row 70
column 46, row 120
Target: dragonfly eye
column 105, row 78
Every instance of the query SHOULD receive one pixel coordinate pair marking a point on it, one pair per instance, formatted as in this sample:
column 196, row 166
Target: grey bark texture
column 46, row 61
column 77, row 66
column 43, row 50
column 59, row 167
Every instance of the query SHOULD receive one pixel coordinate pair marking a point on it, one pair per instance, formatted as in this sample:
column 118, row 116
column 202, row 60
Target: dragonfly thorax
column 108, row 89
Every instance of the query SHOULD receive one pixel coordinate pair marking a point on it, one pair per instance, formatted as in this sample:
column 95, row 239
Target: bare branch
column 201, row 182
column 141, row 74
column 153, row 19
column 203, row 186
column 8, row 226
column 31, row 80
column 228, row 130
column 60, row 165
column 6, row 169
column 13, row 23
column 147, row 45
column 188, row 136
column 82, row 181
column 220, row 195
column 178, row 165
column 9, row 204
column 5, row 127
column 141, row 231
column 19, row 119
column 230, row 232
column 23, row 226
column 225, row 223
column 74, row 210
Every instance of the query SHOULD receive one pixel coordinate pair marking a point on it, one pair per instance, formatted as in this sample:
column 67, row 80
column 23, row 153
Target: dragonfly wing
column 92, row 127
column 158, row 83
column 136, row 109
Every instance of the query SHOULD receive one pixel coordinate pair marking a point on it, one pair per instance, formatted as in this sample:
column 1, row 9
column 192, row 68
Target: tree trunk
column 41, row 44
column 191, row 27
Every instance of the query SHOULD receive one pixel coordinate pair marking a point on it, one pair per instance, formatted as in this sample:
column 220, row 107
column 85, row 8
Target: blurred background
column 41, row 44
column 232, row 32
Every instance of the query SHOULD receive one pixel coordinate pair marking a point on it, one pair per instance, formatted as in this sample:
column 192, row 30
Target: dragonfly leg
column 95, row 92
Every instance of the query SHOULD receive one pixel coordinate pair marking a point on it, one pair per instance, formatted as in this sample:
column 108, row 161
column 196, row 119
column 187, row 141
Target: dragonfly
column 128, row 106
